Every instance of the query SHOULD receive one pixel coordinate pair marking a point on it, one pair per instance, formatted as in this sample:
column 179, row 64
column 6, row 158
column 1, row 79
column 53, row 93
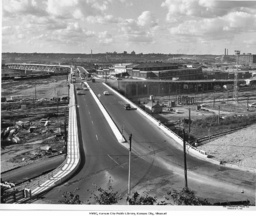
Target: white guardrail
column 68, row 167
column 179, row 140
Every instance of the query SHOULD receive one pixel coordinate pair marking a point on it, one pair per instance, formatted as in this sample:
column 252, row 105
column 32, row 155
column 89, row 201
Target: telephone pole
column 235, row 96
column 185, row 160
column 129, row 170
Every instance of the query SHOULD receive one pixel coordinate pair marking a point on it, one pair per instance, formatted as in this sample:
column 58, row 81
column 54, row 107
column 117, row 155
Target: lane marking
column 114, row 160
column 97, row 137
column 92, row 122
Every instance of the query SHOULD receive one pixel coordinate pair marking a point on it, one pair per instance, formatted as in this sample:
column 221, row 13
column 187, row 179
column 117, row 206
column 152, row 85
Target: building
column 246, row 60
column 164, row 71
column 154, row 107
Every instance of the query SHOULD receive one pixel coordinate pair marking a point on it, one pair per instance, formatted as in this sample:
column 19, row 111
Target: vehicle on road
column 106, row 93
column 80, row 92
column 78, row 88
column 93, row 80
column 85, row 88
column 127, row 106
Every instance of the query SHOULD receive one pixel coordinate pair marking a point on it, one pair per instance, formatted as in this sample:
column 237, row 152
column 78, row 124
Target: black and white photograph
column 128, row 107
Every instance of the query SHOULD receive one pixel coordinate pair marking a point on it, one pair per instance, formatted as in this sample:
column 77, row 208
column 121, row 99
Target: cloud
column 105, row 38
column 147, row 19
column 16, row 7
column 140, row 30
column 206, row 8
column 105, row 19
column 217, row 28
column 64, row 9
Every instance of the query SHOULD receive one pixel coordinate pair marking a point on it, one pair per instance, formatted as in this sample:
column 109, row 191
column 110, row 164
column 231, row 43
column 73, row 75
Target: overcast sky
column 148, row 26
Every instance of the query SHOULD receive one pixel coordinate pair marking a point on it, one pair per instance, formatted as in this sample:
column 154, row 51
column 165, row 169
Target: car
column 85, row 88
column 127, row 106
column 252, row 105
column 106, row 93
column 80, row 93
column 78, row 88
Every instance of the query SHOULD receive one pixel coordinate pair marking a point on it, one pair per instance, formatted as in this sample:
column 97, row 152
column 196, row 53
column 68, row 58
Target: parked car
column 106, row 93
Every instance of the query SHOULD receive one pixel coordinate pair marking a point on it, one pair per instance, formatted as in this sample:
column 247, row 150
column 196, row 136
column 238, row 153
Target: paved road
column 104, row 160
column 32, row 170
column 213, row 180
column 156, row 156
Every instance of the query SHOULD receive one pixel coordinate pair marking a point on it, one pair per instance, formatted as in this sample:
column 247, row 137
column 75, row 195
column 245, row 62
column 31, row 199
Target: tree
column 125, row 52
column 133, row 53
column 187, row 197
column 137, row 199
column 106, row 196
column 70, row 198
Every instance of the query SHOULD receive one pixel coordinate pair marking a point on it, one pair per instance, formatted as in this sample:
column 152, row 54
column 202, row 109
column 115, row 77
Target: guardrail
column 215, row 136
column 68, row 167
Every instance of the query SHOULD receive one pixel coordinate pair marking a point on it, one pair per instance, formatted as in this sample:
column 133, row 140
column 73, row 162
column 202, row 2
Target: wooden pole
column 185, row 160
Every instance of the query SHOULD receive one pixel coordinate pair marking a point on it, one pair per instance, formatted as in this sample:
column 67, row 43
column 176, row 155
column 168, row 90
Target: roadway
column 33, row 170
column 104, row 161
column 206, row 178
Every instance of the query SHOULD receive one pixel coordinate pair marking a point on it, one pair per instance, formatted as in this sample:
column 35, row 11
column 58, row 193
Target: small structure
column 154, row 107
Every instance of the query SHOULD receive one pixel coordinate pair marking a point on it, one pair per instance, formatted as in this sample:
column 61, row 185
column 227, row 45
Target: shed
column 154, row 107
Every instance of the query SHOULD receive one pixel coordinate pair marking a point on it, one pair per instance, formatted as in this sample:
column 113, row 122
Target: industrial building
column 246, row 60
column 161, row 71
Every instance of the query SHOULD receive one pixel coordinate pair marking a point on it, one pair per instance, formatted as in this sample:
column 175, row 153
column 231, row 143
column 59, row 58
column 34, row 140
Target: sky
column 143, row 26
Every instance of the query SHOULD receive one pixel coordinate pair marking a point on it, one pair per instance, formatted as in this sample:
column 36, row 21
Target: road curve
column 214, row 180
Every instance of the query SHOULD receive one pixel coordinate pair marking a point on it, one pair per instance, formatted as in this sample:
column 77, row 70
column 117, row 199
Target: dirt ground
column 28, row 150
column 238, row 148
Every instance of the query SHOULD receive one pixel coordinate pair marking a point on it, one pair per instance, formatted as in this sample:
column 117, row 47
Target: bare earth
column 238, row 148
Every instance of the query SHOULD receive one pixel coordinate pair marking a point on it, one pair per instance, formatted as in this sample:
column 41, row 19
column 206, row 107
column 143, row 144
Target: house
column 154, row 107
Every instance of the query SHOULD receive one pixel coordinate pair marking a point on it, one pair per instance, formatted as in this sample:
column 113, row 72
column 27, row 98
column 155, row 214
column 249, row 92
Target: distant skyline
column 143, row 26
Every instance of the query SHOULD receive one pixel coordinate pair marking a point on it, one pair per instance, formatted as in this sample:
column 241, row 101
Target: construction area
column 215, row 123
column 34, row 120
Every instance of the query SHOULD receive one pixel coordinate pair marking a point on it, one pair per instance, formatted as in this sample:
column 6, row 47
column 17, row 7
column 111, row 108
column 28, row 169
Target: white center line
column 97, row 137
column 92, row 122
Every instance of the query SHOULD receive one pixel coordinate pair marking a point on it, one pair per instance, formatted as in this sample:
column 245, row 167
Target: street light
column 129, row 169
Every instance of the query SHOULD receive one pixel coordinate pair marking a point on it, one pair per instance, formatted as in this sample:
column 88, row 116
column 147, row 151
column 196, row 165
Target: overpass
column 38, row 67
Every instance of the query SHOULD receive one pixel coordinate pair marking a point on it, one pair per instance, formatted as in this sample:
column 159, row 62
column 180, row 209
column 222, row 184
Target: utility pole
column 129, row 171
column 189, row 119
column 35, row 98
column 237, row 52
column 219, row 116
column 185, row 160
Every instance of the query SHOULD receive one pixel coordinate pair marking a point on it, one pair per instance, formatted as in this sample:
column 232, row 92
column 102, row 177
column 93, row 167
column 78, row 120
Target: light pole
column 129, row 169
